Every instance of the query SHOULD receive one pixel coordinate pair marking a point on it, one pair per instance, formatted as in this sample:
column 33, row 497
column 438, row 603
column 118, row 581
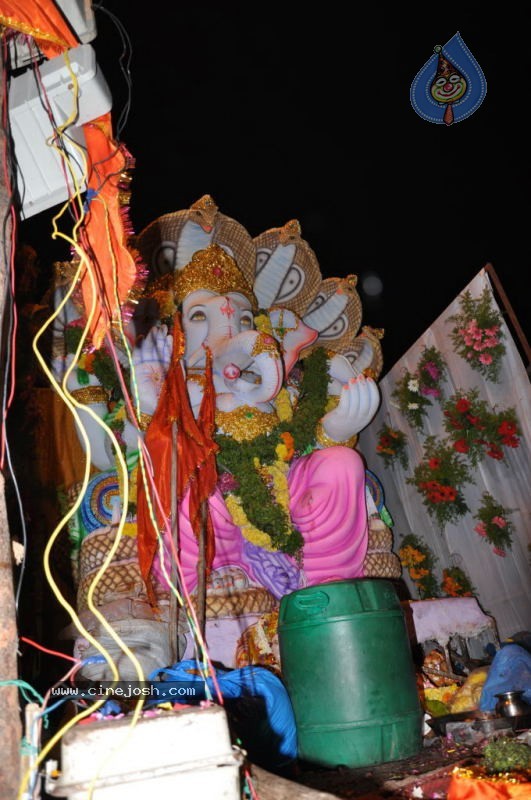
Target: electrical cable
column 125, row 64
column 74, row 408
column 47, row 650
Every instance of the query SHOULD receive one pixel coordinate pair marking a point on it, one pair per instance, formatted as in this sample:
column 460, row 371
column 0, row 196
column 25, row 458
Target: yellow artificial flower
column 283, row 406
column 409, row 556
column 239, row 517
column 418, row 574
column 86, row 362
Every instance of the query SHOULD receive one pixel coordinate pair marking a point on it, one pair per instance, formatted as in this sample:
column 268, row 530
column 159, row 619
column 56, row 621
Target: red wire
column 46, row 650
column 15, row 313
column 8, row 187
column 254, row 796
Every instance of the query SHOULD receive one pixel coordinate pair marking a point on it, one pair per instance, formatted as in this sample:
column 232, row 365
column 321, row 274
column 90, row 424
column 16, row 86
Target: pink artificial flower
column 429, row 391
column 478, row 346
column 492, row 331
column 499, row 552
column 492, row 342
column 432, row 370
column 499, row 521
column 485, row 358
column 469, row 354
column 469, row 341
column 481, row 529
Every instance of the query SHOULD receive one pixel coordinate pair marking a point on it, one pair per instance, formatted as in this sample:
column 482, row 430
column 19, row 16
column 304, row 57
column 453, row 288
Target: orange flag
column 196, row 457
column 103, row 234
column 40, row 19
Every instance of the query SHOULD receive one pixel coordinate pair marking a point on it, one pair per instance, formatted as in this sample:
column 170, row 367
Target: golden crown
column 214, row 270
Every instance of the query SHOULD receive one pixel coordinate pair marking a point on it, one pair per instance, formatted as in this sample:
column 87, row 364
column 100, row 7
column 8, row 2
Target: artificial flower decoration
column 477, row 430
column 431, row 372
column 391, row 446
column 439, row 478
column 414, row 391
column 418, row 559
column 456, row 583
column 410, row 401
column 477, row 334
column 494, row 524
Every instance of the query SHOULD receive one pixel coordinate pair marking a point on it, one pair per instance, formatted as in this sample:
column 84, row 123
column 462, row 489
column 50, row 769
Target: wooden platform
column 430, row 771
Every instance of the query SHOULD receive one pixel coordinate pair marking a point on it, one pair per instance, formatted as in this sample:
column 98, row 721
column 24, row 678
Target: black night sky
column 284, row 111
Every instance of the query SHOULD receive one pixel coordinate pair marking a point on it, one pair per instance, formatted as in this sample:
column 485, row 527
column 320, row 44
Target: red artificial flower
column 461, row 446
column 511, row 441
column 495, row 452
column 507, row 428
column 474, row 421
column 462, row 405
column 434, row 463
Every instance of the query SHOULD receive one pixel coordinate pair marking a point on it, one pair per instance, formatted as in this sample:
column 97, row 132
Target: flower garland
column 456, row 583
column 392, row 446
column 253, row 474
column 418, row 559
column 494, row 525
column 476, row 430
column 477, row 334
column 439, row 478
column 414, row 389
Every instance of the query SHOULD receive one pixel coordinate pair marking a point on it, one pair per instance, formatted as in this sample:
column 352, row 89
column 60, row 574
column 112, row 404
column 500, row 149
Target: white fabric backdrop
column 503, row 584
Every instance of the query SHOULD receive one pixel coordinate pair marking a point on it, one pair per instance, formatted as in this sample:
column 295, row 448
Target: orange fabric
column 59, row 459
column 41, row 20
column 462, row 788
column 104, row 236
column 196, row 456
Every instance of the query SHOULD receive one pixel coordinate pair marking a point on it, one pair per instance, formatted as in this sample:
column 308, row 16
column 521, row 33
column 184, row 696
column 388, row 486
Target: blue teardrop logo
column 450, row 86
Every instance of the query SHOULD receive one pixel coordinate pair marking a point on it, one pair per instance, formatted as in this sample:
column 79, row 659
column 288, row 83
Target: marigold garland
column 254, row 468
column 494, row 524
column 439, row 479
column 477, row 334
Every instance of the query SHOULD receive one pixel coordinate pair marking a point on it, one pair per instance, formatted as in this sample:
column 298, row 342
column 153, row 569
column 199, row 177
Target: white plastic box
column 40, row 173
column 185, row 755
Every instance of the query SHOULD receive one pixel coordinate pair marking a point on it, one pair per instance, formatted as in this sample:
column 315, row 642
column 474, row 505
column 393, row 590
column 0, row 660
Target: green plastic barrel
column 347, row 665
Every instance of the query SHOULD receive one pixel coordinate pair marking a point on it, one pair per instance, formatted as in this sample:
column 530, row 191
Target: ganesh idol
column 248, row 381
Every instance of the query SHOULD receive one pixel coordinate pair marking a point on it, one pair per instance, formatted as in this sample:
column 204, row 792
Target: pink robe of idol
column 327, row 505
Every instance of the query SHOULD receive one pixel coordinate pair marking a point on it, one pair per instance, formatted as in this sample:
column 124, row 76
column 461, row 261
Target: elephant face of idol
column 246, row 363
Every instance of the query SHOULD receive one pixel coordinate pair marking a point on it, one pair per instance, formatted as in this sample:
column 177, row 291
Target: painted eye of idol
column 197, row 316
column 246, row 322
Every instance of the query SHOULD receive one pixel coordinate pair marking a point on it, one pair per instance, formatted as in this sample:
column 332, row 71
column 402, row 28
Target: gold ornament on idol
column 212, row 269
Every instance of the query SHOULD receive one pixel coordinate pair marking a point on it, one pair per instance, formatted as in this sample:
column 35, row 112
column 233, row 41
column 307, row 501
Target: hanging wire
column 125, row 64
